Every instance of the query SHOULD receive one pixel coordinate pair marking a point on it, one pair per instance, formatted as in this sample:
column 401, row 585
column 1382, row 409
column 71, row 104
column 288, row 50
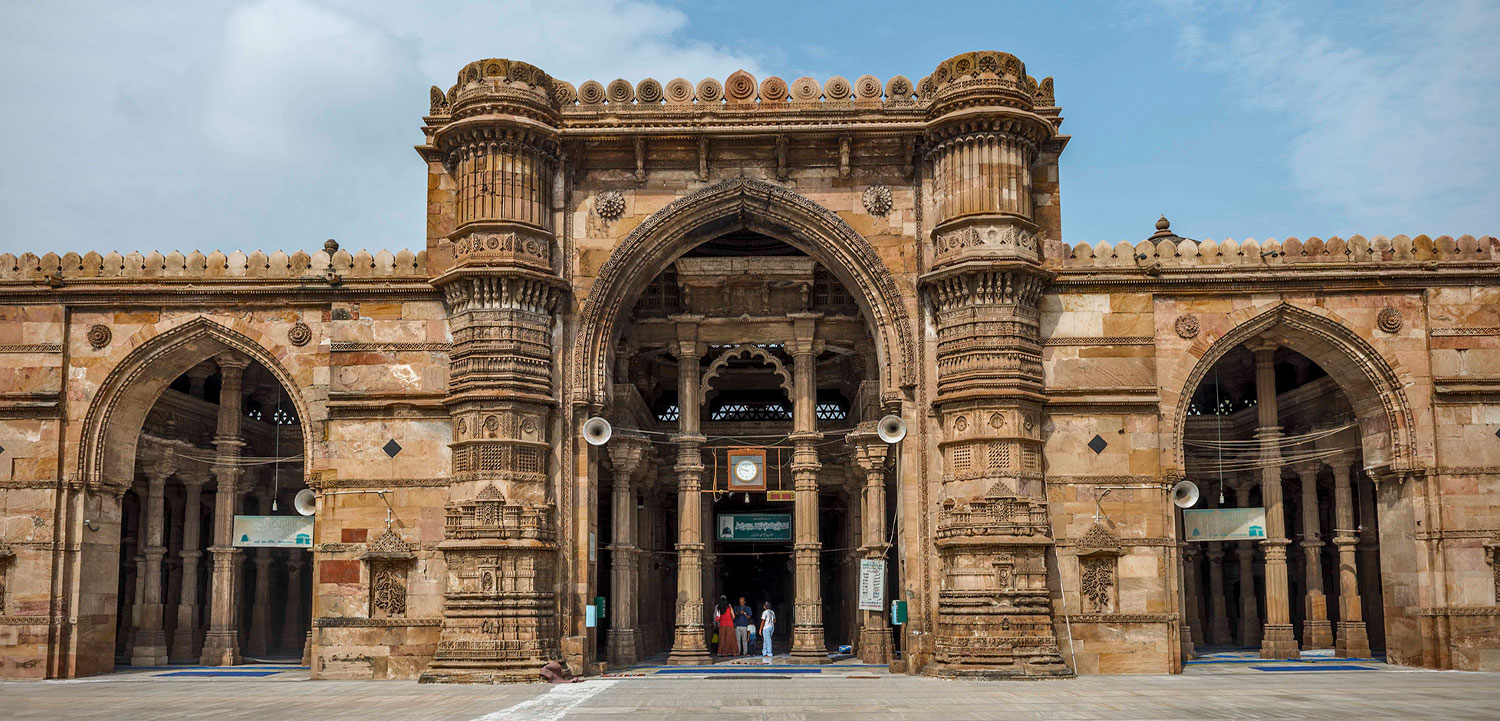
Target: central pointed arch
column 725, row 207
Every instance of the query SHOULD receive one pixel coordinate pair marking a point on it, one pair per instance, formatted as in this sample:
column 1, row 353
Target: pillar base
column 1279, row 643
column 808, row 645
column 1250, row 632
column 1317, row 634
column 1186, row 637
column 221, row 649
column 688, row 648
column 1353, row 640
column 622, row 645
column 150, row 649
column 184, row 649
column 875, row 644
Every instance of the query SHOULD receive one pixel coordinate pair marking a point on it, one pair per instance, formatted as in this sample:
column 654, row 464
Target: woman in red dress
column 724, row 616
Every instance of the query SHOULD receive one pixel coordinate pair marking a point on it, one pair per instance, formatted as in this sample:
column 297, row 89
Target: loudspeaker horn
column 306, row 502
column 891, row 429
column 597, row 431
column 1185, row 494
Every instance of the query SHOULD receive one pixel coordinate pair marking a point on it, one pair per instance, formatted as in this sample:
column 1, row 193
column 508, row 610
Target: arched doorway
column 1327, row 508
column 1291, row 411
column 743, row 264
column 197, row 407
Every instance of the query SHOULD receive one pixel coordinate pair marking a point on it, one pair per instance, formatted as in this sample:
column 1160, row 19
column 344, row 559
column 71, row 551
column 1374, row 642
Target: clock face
column 745, row 470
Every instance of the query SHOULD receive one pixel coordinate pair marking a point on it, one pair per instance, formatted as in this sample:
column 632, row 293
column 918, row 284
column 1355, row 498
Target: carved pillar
column 197, row 376
column 870, row 453
column 1317, row 632
column 807, row 616
column 185, row 636
column 1278, row 640
column 688, row 642
column 1250, row 624
column 1352, row 640
column 173, row 568
column 259, row 642
column 292, row 627
column 1192, row 597
column 627, row 454
column 150, row 639
column 994, row 615
column 1218, row 622
column 221, row 645
column 1371, row 592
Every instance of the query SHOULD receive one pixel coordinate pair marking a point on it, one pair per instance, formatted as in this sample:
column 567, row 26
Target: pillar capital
column 231, row 365
column 1307, row 471
column 627, row 453
column 1262, row 347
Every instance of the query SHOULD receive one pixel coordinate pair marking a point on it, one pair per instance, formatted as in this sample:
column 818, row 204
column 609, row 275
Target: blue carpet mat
column 703, row 670
column 248, row 674
column 1317, row 667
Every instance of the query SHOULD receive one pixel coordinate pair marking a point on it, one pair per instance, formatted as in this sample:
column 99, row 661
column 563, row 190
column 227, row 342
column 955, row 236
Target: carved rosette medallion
column 1186, row 326
column 299, row 334
column 99, row 335
column 877, row 200
column 1389, row 320
column 610, row 205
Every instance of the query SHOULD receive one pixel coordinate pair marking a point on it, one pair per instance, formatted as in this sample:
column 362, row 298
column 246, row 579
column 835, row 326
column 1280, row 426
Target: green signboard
column 755, row 527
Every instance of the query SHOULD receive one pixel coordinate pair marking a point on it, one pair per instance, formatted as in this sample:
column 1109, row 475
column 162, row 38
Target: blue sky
column 273, row 124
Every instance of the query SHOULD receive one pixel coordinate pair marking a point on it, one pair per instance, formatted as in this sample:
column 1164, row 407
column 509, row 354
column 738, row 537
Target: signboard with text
column 755, row 527
column 871, row 584
column 273, row 531
column 1224, row 524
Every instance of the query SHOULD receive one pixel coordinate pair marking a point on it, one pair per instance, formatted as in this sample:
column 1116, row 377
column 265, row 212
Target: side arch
column 106, row 454
column 724, row 207
column 1374, row 387
column 745, row 350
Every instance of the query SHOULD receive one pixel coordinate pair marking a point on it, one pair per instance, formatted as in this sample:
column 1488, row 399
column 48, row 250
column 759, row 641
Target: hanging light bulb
column 747, row 498
column 273, row 505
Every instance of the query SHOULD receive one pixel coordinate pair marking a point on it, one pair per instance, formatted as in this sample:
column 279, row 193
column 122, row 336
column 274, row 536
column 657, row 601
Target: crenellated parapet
column 1185, row 253
column 216, row 265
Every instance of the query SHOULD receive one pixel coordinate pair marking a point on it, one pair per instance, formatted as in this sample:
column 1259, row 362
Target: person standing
column 743, row 626
column 725, row 615
column 767, row 626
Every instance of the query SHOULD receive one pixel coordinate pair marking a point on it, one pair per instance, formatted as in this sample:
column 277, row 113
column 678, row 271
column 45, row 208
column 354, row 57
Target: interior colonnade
column 187, row 594
column 1272, row 431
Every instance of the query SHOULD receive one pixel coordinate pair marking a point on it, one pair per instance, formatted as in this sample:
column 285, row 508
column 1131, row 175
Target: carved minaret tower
column 984, row 136
column 494, row 152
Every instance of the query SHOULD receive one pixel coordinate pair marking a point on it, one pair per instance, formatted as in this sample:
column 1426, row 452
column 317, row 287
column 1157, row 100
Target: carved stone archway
column 114, row 420
column 745, row 350
column 728, row 206
column 1374, row 388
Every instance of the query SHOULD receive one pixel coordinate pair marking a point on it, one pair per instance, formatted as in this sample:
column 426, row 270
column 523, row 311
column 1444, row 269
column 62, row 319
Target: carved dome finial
column 1162, row 223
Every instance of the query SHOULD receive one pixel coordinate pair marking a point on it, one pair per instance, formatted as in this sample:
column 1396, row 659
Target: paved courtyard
column 1321, row 690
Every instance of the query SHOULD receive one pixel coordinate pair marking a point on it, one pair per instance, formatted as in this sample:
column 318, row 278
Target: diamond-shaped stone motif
column 391, row 448
column 2, row 449
column 1098, row 444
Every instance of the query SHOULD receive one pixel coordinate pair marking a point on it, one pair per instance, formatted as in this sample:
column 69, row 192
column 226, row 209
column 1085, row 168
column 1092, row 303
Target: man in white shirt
column 767, row 625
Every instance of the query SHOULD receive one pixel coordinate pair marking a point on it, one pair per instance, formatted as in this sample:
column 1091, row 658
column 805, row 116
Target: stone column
column 627, row 453
column 689, row 646
column 185, row 637
column 197, row 376
column 259, row 641
column 807, row 616
column 138, row 577
column 221, row 646
column 292, row 628
column 1192, row 600
column 1369, row 559
column 150, row 640
column 1278, row 640
column 173, row 568
column 869, row 454
column 1250, row 628
column 1316, row 630
column 1353, row 640
column 1218, row 622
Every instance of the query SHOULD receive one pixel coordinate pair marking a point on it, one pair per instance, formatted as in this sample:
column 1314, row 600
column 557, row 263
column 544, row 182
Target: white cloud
column 271, row 123
column 1395, row 126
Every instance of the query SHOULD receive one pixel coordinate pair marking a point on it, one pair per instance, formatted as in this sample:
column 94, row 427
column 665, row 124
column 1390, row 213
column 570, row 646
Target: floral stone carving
column 299, row 334
column 877, row 199
column 1187, row 326
column 1389, row 320
column 610, row 205
column 99, row 335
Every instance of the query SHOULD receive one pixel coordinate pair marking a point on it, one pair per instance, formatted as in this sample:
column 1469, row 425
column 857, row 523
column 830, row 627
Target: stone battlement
column 1175, row 252
column 298, row 264
column 741, row 91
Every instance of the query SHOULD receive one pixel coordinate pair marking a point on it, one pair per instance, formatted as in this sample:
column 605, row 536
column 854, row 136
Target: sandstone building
column 764, row 265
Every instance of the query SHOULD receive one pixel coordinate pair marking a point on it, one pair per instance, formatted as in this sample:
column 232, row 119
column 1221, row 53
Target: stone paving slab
column 288, row 694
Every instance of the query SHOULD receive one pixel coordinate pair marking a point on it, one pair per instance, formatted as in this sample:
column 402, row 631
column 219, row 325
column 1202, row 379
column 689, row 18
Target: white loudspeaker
column 1185, row 494
column 306, row 502
column 597, row 431
column 891, row 429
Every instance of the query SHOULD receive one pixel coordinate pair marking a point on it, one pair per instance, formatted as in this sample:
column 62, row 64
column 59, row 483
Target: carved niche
column 389, row 559
column 1098, row 553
